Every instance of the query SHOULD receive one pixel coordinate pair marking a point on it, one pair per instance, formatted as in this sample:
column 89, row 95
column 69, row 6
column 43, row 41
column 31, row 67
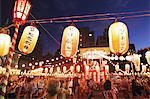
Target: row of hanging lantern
column 58, row 69
column 127, row 68
column 12, row 71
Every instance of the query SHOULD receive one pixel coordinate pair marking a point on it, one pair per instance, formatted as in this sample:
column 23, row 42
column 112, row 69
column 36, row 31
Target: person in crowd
column 34, row 88
column 11, row 89
column 64, row 90
column 71, row 86
column 90, row 88
column 21, row 88
column 1, row 84
column 123, row 88
column 53, row 88
column 75, row 85
column 107, row 87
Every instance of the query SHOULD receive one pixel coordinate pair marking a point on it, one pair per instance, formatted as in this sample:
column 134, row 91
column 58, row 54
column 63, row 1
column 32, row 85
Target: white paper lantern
column 78, row 68
column 28, row 39
column 51, row 70
column 127, row 67
column 147, row 55
column 107, row 68
column 117, row 67
column 5, row 42
column 64, row 69
column 72, row 68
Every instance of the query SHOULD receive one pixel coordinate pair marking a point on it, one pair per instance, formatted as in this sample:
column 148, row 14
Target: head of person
column 53, row 87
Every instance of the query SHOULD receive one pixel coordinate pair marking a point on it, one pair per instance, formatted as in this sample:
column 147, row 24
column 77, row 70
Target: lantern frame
column 23, row 11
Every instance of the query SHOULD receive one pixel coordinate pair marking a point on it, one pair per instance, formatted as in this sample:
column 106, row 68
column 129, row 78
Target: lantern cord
column 7, row 27
column 47, row 31
column 93, row 15
column 89, row 20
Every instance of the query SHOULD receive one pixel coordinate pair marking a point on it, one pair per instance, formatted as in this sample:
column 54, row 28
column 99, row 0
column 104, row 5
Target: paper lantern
column 28, row 39
column 51, row 70
column 147, row 55
column 78, row 68
column 70, row 41
column 143, row 68
column 87, row 68
column 46, row 70
column 21, row 10
column 97, row 68
column 107, row 68
column 58, row 69
column 129, row 58
column 136, row 61
column 64, row 69
column 127, row 67
column 118, row 38
column 5, row 42
column 117, row 67
column 71, row 68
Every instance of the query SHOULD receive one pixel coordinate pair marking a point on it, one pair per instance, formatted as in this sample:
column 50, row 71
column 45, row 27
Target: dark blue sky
column 139, row 32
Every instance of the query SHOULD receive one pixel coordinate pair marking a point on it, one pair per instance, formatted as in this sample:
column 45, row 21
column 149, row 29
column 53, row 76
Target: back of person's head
column 53, row 87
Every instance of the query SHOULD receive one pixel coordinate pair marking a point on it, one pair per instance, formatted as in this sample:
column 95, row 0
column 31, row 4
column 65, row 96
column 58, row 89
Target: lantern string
column 93, row 15
column 90, row 20
column 47, row 31
column 109, row 16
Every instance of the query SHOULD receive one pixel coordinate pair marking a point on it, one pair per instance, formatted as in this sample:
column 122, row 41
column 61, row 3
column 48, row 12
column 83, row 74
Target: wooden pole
column 8, row 67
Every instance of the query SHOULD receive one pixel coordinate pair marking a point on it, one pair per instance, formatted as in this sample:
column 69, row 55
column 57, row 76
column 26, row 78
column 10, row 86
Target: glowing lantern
column 74, row 60
column 51, row 70
column 5, row 42
column 107, row 68
column 28, row 39
column 78, row 68
column 58, row 69
column 21, row 10
column 147, row 55
column 46, row 70
column 97, row 68
column 71, row 68
column 64, row 69
column 129, row 58
column 118, row 38
column 143, row 68
column 70, row 41
column 136, row 61
column 117, row 67
column 127, row 67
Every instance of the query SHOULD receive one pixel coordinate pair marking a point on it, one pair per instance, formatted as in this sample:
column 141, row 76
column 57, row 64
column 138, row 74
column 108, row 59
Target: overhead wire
column 46, row 31
column 51, row 20
column 92, row 19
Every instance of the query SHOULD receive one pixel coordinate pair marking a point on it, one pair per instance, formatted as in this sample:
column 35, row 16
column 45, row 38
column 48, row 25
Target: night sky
column 139, row 32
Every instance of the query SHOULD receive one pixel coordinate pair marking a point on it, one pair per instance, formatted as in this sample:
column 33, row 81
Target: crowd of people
column 115, row 87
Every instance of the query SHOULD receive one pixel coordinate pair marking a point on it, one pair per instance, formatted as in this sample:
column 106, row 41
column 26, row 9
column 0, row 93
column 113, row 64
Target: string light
column 23, row 65
column 57, row 58
column 30, row 64
column 47, row 61
column 36, row 63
